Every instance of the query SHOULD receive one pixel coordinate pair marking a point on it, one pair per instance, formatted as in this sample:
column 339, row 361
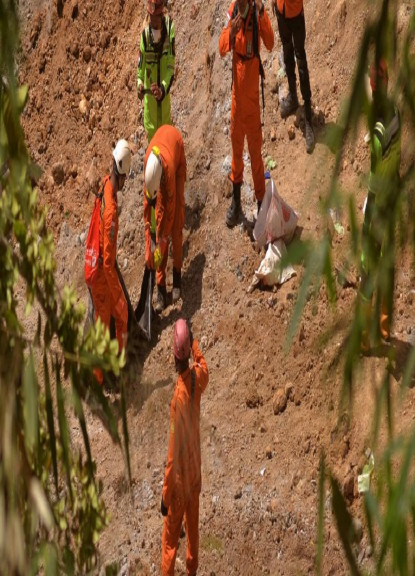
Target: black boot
column 309, row 132
column 234, row 212
column 161, row 299
column 289, row 103
column 177, row 285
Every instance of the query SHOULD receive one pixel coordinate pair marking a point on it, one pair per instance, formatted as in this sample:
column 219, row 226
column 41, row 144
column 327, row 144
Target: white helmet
column 153, row 173
column 122, row 157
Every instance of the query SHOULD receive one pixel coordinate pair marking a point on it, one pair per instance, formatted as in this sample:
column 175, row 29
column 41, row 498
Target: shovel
column 143, row 310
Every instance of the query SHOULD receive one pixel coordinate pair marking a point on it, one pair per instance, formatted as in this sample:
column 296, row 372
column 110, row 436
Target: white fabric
column 156, row 35
column 275, row 226
column 270, row 271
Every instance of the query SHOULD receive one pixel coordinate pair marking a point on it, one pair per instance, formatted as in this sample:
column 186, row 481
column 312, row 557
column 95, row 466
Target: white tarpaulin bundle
column 275, row 226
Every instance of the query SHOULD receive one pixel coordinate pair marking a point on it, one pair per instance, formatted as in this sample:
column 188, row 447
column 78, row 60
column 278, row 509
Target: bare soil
column 259, row 498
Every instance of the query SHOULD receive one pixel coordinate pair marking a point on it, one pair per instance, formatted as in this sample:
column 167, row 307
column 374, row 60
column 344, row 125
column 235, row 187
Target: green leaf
column 41, row 503
column 50, row 419
column 63, row 427
column 30, row 387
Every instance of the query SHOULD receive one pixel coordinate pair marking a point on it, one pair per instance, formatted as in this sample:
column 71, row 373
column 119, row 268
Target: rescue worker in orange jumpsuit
column 107, row 294
column 164, row 176
column 182, row 479
column 247, row 23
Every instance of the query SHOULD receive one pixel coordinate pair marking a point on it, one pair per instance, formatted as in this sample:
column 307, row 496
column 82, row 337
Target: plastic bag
column 276, row 219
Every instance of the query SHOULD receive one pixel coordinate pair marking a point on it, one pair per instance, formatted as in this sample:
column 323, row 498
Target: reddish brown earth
column 260, row 469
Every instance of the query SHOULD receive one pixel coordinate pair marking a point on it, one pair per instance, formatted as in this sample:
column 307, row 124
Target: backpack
column 92, row 257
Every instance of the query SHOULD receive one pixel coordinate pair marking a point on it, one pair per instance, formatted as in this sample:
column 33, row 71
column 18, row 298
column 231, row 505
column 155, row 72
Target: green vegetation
column 390, row 504
column 51, row 510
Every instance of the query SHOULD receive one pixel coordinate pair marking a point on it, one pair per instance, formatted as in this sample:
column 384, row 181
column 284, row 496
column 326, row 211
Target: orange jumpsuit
column 289, row 8
column 170, row 206
column 245, row 109
column 107, row 294
column 183, row 479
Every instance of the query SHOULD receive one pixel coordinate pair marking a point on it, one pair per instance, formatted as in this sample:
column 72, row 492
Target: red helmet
column 181, row 340
column 379, row 75
column 155, row 7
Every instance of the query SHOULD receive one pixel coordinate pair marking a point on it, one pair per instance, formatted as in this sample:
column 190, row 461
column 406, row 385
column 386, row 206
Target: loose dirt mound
column 260, row 460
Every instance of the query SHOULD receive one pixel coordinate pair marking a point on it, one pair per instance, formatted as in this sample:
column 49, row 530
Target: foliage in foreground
column 51, row 510
column 389, row 506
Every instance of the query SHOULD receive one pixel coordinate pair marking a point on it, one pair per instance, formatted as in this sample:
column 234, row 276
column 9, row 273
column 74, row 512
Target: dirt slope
column 260, row 470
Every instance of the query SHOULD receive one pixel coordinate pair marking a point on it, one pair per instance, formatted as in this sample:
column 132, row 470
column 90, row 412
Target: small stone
column 268, row 452
column 291, row 132
column 289, row 390
column 273, row 135
column 58, row 173
column 279, row 401
column 86, row 54
column 238, row 494
column 253, row 399
column 348, row 487
column 358, row 530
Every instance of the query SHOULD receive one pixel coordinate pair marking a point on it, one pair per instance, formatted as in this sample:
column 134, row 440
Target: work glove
column 164, row 511
column 158, row 257
column 140, row 92
column 189, row 327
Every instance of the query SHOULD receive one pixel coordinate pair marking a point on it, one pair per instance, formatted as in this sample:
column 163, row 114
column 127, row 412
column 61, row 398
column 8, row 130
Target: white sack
column 275, row 219
column 270, row 271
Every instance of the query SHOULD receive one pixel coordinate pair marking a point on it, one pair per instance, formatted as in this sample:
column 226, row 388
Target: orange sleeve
column 147, row 223
column 172, row 455
column 200, row 367
column 266, row 31
column 224, row 42
column 166, row 208
column 110, row 221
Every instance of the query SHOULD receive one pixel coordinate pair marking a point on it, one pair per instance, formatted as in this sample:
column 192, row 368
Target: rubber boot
column 384, row 321
column 289, row 103
column 177, row 285
column 309, row 132
column 161, row 299
column 234, row 212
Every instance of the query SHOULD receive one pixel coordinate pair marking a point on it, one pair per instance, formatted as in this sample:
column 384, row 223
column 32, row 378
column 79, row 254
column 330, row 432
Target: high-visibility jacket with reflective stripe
column 385, row 158
column 156, row 66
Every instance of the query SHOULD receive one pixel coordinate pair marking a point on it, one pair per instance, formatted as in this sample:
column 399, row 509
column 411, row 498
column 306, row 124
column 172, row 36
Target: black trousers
column 292, row 33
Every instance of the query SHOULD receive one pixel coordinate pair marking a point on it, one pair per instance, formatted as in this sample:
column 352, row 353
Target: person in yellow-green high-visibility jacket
column 155, row 71
column 378, row 236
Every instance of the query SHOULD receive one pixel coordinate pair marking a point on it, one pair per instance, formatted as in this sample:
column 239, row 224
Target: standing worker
column 155, row 71
column 247, row 22
column 183, row 479
column 107, row 294
column 164, row 178
column 291, row 27
column 378, row 236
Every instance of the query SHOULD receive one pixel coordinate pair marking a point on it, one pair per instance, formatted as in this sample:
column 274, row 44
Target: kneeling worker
column 164, row 177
